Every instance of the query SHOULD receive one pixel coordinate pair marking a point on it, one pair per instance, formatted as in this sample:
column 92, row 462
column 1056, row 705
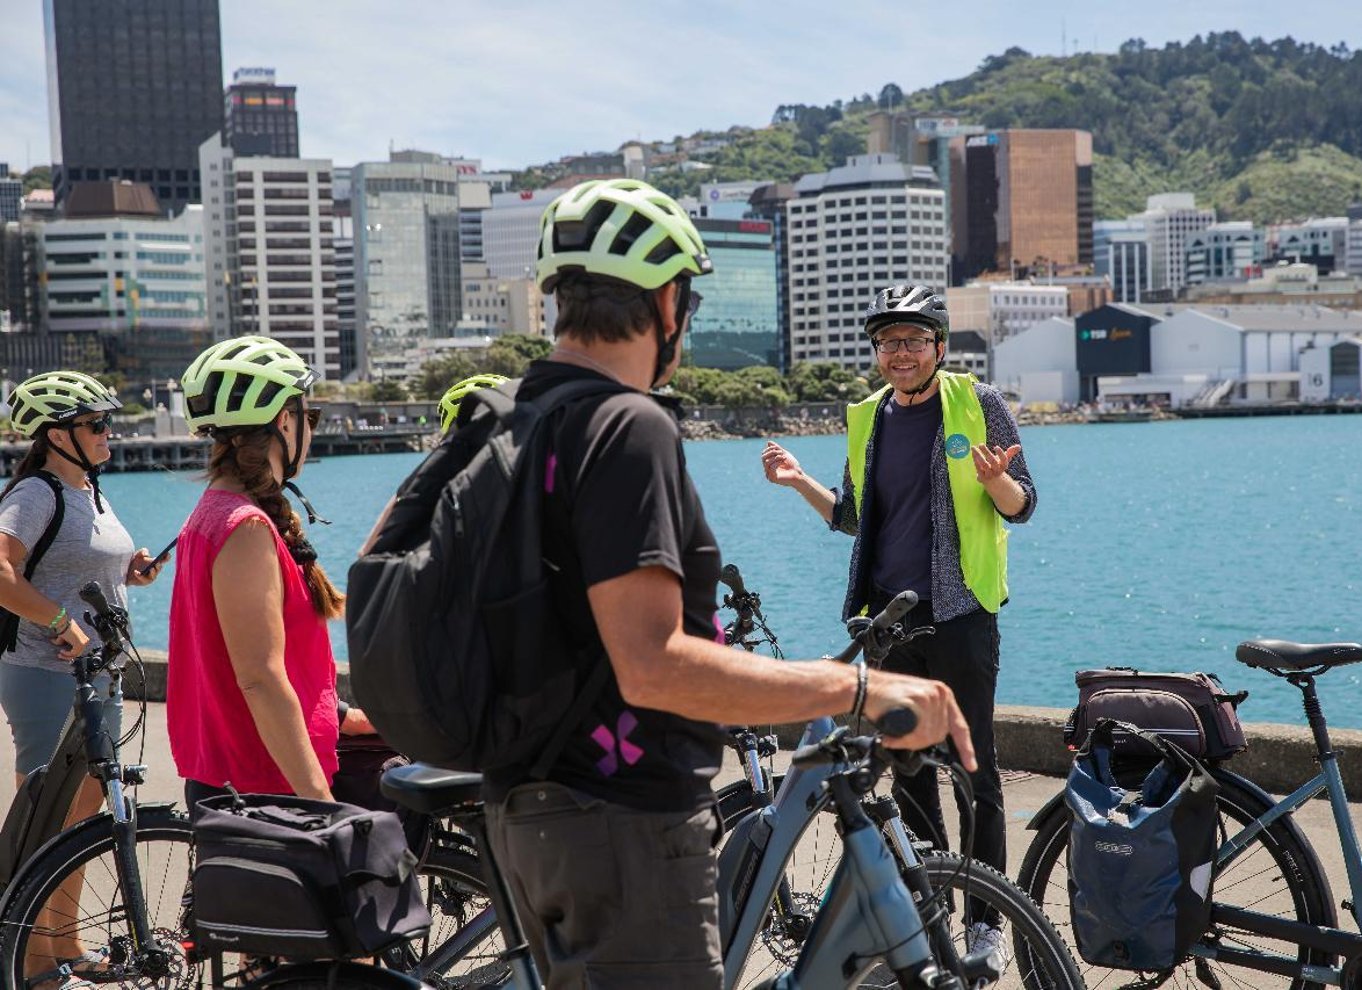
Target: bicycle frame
column 868, row 911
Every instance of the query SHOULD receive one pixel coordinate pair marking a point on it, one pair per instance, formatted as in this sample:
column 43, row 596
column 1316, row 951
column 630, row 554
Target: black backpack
column 9, row 622
column 457, row 652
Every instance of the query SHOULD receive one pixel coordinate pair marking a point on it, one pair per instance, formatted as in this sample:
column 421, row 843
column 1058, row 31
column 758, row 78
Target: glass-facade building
column 738, row 325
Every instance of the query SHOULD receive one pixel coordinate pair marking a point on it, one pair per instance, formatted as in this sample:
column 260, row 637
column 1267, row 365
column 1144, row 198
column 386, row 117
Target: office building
column 727, row 200
column 510, row 231
column 1229, row 250
column 1169, row 220
column 271, row 257
column 737, row 326
column 1120, row 253
column 497, row 304
column 1322, row 242
column 1353, row 241
column 920, row 140
column 998, row 310
column 121, row 287
column 1021, row 202
column 11, row 192
column 134, row 88
column 259, row 116
column 343, row 238
column 407, row 222
column 853, row 230
column 769, row 203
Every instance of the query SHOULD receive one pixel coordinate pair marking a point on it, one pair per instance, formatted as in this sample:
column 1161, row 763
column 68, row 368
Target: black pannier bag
column 1141, row 861
column 1192, row 711
column 277, row 875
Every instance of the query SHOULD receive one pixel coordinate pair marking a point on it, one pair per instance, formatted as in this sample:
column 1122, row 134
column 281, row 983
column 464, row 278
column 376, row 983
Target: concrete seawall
column 1279, row 758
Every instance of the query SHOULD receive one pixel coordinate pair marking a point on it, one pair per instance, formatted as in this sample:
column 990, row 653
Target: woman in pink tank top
column 251, row 696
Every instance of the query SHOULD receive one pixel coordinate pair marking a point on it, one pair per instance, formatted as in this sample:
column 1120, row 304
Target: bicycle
column 138, row 933
column 880, row 903
column 1271, row 896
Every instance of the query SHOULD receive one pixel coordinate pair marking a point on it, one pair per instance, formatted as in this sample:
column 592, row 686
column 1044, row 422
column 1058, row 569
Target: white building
column 1169, row 219
column 501, row 305
column 510, row 231
column 853, row 230
column 1322, row 242
column 1353, row 242
column 1001, row 309
column 1038, row 364
column 271, row 251
column 135, row 285
column 727, row 200
column 1229, row 250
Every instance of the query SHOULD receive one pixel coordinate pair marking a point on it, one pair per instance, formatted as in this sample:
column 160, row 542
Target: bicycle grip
column 899, row 606
column 897, row 722
column 93, row 595
column 732, row 579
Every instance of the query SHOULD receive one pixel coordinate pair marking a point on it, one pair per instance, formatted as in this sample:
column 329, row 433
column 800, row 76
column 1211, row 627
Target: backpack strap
column 9, row 638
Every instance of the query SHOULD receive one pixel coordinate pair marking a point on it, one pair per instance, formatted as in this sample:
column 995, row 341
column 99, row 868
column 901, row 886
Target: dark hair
column 244, row 456
column 32, row 462
column 594, row 307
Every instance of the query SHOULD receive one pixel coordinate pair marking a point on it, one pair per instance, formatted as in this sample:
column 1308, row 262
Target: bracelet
column 57, row 620
column 862, row 677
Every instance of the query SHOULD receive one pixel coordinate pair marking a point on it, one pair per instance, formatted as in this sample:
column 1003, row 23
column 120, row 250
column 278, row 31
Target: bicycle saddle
column 1278, row 654
column 431, row 790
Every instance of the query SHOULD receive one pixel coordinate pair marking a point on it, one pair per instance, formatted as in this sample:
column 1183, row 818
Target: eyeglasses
column 96, row 426
column 694, row 304
column 314, row 416
column 913, row 345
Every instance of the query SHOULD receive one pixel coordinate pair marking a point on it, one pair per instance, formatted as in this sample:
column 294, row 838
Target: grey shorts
column 37, row 703
column 611, row 898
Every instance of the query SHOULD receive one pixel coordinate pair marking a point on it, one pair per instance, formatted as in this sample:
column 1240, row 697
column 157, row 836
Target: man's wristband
column 55, row 626
column 862, row 677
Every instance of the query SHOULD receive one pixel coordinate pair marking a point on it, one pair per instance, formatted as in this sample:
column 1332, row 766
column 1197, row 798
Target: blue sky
column 523, row 81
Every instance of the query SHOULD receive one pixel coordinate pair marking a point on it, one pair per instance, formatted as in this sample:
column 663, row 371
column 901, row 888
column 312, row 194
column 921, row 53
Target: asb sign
column 1112, row 341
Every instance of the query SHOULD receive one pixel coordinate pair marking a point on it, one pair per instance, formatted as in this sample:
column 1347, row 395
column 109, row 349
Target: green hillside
column 1264, row 131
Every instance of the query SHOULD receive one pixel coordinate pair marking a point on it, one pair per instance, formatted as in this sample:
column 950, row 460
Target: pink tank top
column 212, row 733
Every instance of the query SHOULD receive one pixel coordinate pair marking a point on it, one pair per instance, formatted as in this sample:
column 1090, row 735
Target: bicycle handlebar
column 732, row 580
column 110, row 622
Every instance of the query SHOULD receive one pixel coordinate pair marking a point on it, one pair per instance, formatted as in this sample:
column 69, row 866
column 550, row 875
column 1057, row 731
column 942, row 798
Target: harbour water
column 1156, row 545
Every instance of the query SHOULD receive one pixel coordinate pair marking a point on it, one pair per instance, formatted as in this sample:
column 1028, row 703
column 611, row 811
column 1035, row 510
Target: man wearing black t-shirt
column 610, row 858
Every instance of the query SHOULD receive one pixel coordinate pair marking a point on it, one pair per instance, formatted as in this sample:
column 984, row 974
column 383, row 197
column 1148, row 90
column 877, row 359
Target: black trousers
column 964, row 654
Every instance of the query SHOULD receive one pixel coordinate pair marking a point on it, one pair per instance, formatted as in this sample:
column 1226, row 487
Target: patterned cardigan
column 950, row 597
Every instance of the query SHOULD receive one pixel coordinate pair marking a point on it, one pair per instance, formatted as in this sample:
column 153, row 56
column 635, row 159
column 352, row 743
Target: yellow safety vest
column 983, row 538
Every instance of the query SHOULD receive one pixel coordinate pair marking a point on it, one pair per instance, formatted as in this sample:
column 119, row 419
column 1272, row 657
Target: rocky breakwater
column 767, row 425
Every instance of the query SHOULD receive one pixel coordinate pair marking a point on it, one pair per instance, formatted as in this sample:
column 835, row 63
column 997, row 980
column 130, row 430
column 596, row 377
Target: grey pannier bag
column 278, row 875
column 1192, row 711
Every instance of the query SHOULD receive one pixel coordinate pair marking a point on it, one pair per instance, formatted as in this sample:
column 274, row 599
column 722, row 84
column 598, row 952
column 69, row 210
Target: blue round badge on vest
column 957, row 446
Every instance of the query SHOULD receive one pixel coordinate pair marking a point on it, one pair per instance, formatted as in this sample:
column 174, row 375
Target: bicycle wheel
column 1034, row 955
column 1273, row 875
column 464, row 946
column 69, row 909
column 337, row 976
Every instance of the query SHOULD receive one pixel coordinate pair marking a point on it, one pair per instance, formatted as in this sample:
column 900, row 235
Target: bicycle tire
column 456, row 896
column 164, row 841
column 1298, row 891
column 336, row 976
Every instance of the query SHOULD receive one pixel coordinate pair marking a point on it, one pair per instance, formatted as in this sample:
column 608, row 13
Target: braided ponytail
column 244, row 456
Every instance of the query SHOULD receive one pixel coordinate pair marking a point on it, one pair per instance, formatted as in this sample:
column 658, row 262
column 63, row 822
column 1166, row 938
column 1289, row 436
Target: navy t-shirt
column 902, row 559
column 624, row 500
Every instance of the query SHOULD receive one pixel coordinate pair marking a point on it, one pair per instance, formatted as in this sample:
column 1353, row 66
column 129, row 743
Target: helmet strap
column 81, row 461
column 666, row 346
column 312, row 516
column 914, row 393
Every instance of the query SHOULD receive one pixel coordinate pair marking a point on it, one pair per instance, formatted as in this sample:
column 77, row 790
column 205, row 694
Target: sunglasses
column 694, row 303
column 313, row 416
column 96, row 426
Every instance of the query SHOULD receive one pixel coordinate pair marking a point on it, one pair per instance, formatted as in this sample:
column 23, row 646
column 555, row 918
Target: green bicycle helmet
column 621, row 228
column 54, row 398
column 242, row 381
column 449, row 402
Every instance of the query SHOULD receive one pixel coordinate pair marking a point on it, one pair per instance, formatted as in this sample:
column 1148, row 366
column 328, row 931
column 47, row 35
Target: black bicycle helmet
column 912, row 304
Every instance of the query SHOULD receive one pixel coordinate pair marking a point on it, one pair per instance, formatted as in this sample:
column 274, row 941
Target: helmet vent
column 577, row 235
column 664, row 250
column 633, row 229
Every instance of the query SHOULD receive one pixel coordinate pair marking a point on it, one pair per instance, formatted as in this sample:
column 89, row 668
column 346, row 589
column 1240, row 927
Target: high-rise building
column 510, row 231
column 121, row 286
column 920, row 140
column 271, row 258
column 134, row 88
column 1121, row 253
column 1021, row 202
column 998, row 310
column 1353, row 240
column 737, row 326
column 260, row 117
column 407, row 246
column 853, row 230
column 727, row 200
column 769, row 203
column 343, row 231
column 1169, row 219
column 1229, row 250
column 11, row 192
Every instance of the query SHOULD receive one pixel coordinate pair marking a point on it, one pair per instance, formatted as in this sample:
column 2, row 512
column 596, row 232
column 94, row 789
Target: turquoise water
column 1159, row 545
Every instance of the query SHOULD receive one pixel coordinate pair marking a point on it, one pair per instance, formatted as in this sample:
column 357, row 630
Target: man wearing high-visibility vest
column 934, row 469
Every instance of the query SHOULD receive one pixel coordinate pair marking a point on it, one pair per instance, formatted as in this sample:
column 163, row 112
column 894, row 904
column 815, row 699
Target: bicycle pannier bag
column 451, row 618
column 1192, row 711
column 286, row 876
column 1140, row 861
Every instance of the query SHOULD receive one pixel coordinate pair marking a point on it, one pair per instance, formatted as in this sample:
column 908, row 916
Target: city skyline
column 464, row 80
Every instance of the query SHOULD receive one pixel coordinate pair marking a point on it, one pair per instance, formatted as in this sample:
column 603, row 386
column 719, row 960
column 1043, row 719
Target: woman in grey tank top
column 67, row 416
